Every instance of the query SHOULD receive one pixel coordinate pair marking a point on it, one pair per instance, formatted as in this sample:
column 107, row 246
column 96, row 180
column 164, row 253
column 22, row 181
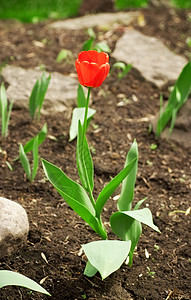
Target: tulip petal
column 80, row 77
column 92, row 67
column 107, row 68
column 89, row 71
column 101, row 75
column 90, row 56
column 102, row 58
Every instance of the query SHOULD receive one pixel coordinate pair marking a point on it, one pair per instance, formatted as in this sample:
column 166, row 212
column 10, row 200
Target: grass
column 122, row 4
column 181, row 3
column 38, row 10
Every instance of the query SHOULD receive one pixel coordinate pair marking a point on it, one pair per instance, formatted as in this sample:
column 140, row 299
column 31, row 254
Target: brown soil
column 164, row 174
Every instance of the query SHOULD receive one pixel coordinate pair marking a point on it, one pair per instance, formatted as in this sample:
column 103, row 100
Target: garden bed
column 164, row 173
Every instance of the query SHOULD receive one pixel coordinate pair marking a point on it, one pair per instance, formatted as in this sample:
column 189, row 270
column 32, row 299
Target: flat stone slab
column 61, row 94
column 149, row 56
column 100, row 20
column 14, row 226
column 182, row 128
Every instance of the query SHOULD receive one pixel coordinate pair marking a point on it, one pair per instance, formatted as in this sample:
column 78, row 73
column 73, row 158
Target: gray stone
column 61, row 94
column 150, row 56
column 182, row 128
column 100, row 20
column 14, row 226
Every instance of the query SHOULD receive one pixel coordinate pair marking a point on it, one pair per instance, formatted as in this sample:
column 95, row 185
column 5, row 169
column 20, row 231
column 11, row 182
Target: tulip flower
column 92, row 68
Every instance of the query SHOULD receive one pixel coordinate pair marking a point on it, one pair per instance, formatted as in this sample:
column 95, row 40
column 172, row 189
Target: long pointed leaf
column 41, row 137
column 29, row 145
column 84, row 161
column 13, row 278
column 128, row 185
column 111, row 187
column 44, row 83
column 81, row 99
column 33, row 101
column 8, row 117
column 25, row 162
column 35, row 158
column 173, row 119
column 139, row 203
column 74, row 195
column 3, row 109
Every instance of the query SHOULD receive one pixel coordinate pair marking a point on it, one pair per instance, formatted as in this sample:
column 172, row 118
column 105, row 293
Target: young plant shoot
column 5, row 110
column 105, row 256
column 32, row 145
column 123, row 69
column 177, row 98
column 37, row 96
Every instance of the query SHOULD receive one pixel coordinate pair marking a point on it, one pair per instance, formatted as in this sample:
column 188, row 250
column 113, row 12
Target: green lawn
column 123, row 4
column 181, row 3
column 36, row 10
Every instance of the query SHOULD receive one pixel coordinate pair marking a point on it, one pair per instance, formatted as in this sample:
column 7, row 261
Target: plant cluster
column 105, row 256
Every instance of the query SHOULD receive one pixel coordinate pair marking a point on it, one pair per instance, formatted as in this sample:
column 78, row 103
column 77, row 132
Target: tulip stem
column 86, row 112
column 83, row 137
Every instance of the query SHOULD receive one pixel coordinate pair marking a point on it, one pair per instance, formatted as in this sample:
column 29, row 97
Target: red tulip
column 92, row 68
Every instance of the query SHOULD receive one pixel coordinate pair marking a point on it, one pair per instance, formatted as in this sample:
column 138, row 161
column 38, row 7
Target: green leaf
column 78, row 114
column 90, row 270
column 35, row 158
column 123, row 67
column 111, row 187
column 173, row 119
column 128, row 185
column 37, row 95
column 29, row 145
column 33, row 101
column 139, row 203
column 64, row 54
column 91, row 33
column 13, row 278
column 41, row 137
column 81, row 99
column 144, row 216
column 177, row 98
column 102, row 47
column 84, row 161
column 74, row 195
column 25, row 162
column 43, row 89
column 3, row 109
column 8, row 117
column 106, row 256
column 126, row 228
column 88, row 45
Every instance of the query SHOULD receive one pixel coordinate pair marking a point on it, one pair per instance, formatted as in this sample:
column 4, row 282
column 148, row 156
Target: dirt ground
column 164, row 174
